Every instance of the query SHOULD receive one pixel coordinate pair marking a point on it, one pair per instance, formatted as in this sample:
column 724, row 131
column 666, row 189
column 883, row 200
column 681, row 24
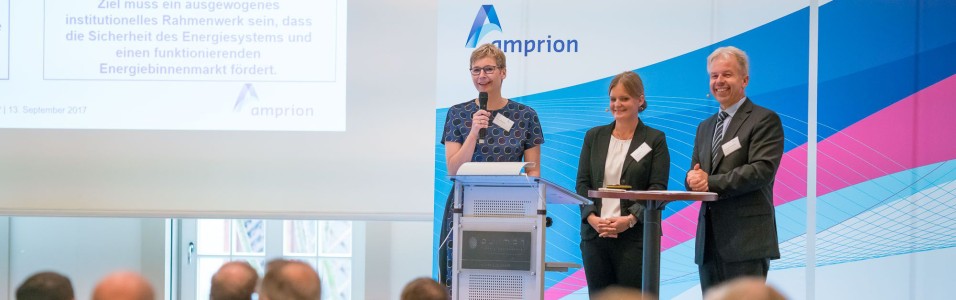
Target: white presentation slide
column 4, row 39
column 275, row 65
column 225, row 108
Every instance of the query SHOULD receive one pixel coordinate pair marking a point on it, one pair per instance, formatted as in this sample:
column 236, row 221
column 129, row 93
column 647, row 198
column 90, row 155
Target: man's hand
column 697, row 179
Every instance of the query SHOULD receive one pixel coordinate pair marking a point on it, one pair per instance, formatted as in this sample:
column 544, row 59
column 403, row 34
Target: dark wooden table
column 655, row 202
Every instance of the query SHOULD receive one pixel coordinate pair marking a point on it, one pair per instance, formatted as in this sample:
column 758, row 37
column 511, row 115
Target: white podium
column 499, row 231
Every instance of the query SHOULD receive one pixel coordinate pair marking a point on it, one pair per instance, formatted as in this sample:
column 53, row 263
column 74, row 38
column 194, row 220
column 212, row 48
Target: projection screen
column 271, row 108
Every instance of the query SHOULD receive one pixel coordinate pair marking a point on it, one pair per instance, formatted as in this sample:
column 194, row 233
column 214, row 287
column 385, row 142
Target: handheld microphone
column 482, row 105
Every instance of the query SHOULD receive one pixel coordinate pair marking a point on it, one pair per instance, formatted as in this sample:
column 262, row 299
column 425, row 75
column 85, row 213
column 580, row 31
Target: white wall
column 392, row 50
column 396, row 253
column 85, row 249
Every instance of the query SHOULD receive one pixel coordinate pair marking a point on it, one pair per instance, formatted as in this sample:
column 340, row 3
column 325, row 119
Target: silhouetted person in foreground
column 235, row 280
column 123, row 285
column 616, row 292
column 424, row 288
column 290, row 280
column 750, row 288
column 46, row 286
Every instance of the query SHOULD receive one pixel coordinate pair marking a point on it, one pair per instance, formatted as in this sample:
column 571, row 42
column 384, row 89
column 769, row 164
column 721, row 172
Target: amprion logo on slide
column 248, row 94
column 487, row 21
column 480, row 28
column 247, row 91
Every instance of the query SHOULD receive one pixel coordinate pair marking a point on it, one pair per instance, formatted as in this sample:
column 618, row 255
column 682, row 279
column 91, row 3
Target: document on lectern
column 492, row 168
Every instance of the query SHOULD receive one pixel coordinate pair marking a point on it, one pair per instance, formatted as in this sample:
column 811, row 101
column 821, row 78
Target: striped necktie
column 718, row 135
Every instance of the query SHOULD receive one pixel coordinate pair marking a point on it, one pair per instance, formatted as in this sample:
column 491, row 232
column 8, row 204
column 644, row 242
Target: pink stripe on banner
column 568, row 285
column 680, row 227
column 884, row 143
column 791, row 180
column 876, row 146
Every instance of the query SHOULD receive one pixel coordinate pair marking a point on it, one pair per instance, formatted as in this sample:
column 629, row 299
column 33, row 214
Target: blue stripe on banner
column 908, row 45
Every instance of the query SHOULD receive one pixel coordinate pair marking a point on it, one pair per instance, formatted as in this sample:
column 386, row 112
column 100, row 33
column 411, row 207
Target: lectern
column 499, row 231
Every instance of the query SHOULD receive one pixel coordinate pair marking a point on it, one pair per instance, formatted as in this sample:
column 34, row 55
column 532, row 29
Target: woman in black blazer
column 625, row 152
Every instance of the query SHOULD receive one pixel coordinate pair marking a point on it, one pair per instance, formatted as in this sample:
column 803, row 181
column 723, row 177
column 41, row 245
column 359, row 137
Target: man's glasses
column 487, row 69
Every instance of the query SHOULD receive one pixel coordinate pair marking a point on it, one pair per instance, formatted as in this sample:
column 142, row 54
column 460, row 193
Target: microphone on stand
column 482, row 105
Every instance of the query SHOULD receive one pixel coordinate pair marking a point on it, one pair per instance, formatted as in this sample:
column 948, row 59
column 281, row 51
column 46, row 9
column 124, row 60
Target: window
column 326, row 245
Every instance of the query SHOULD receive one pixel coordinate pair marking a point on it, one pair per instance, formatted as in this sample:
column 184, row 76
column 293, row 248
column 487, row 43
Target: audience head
column 46, row 286
column 623, row 293
column 751, row 288
column 235, row 280
column 424, row 288
column 123, row 285
column 290, row 280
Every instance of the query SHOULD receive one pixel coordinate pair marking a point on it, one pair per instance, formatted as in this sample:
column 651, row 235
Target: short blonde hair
column 632, row 83
column 488, row 50
column 731, row 51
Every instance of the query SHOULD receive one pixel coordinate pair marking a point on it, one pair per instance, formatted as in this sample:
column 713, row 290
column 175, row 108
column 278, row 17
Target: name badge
column 503, row 122
column 641, row 152
column 731, row 146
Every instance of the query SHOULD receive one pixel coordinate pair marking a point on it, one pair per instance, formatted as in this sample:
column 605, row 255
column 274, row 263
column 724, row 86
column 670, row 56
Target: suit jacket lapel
column 599, row 153
column 739, row 118
column 640, row 135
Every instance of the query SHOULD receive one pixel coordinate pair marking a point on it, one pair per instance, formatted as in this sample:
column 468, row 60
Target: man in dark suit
column 736, row 155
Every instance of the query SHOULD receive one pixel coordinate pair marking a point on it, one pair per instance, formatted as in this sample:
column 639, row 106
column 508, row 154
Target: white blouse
column 613, row 167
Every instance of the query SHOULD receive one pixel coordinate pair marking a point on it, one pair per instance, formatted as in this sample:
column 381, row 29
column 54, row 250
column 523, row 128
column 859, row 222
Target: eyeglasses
column 487, row 69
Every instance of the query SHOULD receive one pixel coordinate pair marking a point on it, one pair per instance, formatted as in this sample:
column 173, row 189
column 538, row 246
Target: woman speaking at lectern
column 626, row 152
column 512, row 133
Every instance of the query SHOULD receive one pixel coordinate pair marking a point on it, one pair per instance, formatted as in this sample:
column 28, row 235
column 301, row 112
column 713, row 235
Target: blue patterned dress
column 501, row 145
